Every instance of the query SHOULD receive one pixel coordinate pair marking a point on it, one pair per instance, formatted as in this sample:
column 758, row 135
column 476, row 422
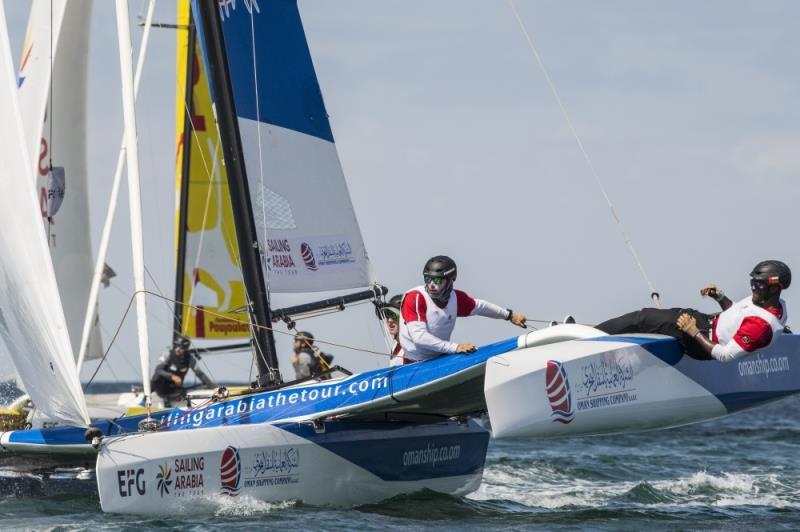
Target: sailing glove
column 687, row 324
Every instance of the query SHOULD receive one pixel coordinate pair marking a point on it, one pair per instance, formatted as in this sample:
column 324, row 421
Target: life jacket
column 728, row 322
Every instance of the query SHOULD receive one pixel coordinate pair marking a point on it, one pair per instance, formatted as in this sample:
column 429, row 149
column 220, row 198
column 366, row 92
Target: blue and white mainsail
column 308, row 234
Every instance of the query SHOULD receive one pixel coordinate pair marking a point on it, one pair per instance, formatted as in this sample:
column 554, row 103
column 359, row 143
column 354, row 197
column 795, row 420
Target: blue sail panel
column 270, row 65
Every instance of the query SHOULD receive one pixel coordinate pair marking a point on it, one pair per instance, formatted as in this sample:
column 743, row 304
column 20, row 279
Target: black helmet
column 395, row 301
column 441, row 265
column 774, row 272
column 183, row 342
column 444, row 268
column 304, row 335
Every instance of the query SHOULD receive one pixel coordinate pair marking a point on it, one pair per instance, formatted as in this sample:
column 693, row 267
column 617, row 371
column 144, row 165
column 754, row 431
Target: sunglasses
column 757, row 285
column 435, row 279
column 390, row 314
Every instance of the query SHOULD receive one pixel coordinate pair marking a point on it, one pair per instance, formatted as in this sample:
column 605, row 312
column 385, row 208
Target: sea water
column 739, row 472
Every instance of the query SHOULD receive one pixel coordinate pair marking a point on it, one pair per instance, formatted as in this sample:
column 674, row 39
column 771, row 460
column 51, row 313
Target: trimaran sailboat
column 368, row 436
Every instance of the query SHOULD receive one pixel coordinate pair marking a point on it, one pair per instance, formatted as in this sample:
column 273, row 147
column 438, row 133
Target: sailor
column 170, row 374
column 740, row 329
column 390, row 314
column 429, row 313
column 308, row 360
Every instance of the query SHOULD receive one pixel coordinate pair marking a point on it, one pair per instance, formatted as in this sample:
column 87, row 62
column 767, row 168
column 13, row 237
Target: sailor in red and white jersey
column 429, row 312
column 740, row 329
column 749, row 324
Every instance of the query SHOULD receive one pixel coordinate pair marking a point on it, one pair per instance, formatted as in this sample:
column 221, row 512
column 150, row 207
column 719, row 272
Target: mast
column 183, row 201
column 134, row 197
column 246, row 234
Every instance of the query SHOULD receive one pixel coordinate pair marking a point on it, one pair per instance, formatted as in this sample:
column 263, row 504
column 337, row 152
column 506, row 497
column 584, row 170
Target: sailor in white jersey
column 749, row 324
column 429, row 312
column 741, row 328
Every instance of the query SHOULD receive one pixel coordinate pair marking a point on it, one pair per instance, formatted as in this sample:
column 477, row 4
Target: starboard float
column 607, row 384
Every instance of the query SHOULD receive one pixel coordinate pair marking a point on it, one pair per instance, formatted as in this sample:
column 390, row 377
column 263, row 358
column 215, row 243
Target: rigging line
column 255, row 325
column 653, row 293
column 262, row 189
column 113, row 339
column 51, row 110
column 211, row 181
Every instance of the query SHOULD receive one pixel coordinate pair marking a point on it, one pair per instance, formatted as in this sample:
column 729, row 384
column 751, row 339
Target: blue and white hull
column 610, row 384
column 337, row 463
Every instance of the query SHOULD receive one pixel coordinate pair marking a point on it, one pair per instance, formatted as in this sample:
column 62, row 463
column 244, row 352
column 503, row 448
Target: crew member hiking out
column 740, row 329
column 429, row 313
column 170, row 374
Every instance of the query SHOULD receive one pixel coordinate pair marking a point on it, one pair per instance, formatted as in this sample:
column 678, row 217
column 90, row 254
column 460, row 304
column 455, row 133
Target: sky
column 453, row 143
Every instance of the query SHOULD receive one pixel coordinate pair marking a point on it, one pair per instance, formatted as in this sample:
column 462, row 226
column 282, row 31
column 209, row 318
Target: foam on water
column 245, row 506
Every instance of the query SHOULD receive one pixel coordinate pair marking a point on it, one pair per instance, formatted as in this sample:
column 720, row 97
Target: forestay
column 32, row 322
column 57, row 133
column 308, row 234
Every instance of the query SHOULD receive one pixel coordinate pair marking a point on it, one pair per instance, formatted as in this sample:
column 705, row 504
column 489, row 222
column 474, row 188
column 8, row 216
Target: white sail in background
column 59, row 134
column 307, row 228
column 32, row 322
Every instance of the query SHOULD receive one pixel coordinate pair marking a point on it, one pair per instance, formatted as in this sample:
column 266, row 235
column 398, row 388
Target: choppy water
column 742, row 472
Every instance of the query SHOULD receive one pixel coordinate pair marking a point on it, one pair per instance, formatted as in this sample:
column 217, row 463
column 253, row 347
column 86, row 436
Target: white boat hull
column 349, row 463
column 613, row 384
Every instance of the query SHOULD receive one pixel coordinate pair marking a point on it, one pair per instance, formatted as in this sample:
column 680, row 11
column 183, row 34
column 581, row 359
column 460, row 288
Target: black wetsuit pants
column 662, row 321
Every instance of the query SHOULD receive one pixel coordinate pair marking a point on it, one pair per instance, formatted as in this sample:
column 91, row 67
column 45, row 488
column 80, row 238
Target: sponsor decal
column 188, row 477
column 226, row 326
column 273, row 467
column 558, row 392
column 163, row 479
column 761, row 365
column 230, row 472
column 230, row 410
column 279, row 256
column 56, row 185
column 431, row 455
column 336, row 253
column 606, row 381
column 131, row 482
column 308, row 257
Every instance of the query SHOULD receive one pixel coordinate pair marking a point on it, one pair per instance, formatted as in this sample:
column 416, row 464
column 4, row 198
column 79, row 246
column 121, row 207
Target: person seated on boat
column 308, row 360
column 740, row 329
column 390, row 314
column 170, row 373
column 428, row 313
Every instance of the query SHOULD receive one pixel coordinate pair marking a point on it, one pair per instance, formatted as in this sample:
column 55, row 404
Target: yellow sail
column 213, row 290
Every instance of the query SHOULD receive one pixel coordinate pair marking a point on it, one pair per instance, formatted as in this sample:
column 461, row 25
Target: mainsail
column 209, row 271
column 32, row 322
column 308, row 236
column 55, row 131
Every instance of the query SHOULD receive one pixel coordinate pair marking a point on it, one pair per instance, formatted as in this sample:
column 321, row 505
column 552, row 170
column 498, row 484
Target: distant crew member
column 170, row 374
column 429, row 313
column 390, row 314
column 740, row 329
column 308, row 360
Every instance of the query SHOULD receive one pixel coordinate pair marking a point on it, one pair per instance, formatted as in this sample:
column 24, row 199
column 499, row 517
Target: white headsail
column 32, row 322
column 57, row 133
column 307, row 229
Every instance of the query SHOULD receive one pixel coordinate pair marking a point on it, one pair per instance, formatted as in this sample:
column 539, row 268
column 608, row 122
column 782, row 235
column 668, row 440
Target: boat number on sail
column 606, row 381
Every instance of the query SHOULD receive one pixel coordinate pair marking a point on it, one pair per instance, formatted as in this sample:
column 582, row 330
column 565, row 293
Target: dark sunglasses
column 390, row 314
column 755, row 284
column 435, row 279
